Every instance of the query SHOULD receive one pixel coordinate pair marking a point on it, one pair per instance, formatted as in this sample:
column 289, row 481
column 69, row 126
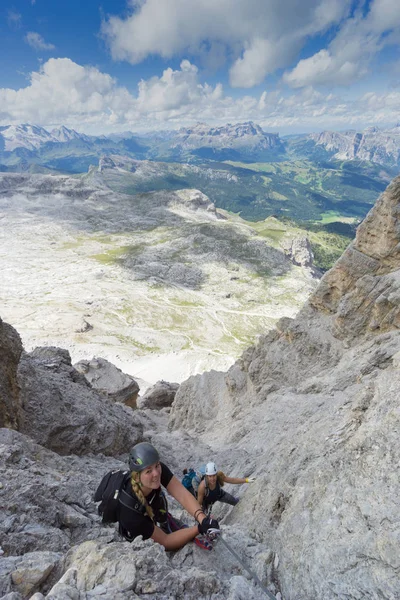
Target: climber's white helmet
column 211, row 468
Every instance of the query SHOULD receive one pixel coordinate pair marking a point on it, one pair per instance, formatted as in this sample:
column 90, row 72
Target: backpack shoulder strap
column 131, row 501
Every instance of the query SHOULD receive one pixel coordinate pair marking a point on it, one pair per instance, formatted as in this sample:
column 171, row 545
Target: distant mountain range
column 296, row 189
column 33, row 148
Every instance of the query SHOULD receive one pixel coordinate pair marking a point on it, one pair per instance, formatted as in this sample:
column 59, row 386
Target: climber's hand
column 206, row 524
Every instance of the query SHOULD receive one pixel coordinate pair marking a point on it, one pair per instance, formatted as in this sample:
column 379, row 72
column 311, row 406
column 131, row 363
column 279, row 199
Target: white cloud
column 260, row 58
column 175, row 91
column 63, row 92
column 324, row 68
column 36, row 41
column 259, row 36
column 350, row 53
column 14, row 19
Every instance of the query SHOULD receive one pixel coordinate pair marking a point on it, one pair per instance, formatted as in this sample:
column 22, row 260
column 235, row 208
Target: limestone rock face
column 160, row 395
column 109, row 380
column 28, row 572
column 60, row 410
column 362, row 289
column 46, row 499
column 299, row 251
column 53, row 543
column 10, row 352
column 313, row 409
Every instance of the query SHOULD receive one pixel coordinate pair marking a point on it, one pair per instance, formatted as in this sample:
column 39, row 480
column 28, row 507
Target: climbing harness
column 250, row 572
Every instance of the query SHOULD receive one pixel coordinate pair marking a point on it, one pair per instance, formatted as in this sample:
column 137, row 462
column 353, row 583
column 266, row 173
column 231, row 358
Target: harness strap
column 131, row 502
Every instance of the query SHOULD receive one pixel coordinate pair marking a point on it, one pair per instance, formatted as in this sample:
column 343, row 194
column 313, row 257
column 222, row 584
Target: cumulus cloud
column 63, row 91
column 260, row 58
column 175, row 91
column 83, row 97
column 260, row 36
column 36, row 41
column 325, row 68
column 350, row 53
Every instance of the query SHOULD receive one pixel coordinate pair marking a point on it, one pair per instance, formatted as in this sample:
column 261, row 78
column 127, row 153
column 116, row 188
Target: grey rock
column 46, row 499
column 28, row 572
column 10, row 352
column 60, row 410
column 159, row 396
column 109, row 380
column 84, row 326
column 373, row 144
column 299, row 251
column 315, row 403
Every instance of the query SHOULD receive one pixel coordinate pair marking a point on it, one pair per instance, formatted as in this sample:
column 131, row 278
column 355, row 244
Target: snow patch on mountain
column 32, row 137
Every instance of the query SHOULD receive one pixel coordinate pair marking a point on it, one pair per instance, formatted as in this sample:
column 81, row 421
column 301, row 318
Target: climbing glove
column 250, row 479
column 206, row 524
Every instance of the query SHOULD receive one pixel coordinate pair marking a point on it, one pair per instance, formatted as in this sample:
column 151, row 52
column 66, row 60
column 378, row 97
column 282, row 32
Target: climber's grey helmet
column 211, row 468
column 142, row 456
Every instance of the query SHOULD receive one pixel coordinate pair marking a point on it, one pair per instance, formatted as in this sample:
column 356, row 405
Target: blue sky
column 159, row 64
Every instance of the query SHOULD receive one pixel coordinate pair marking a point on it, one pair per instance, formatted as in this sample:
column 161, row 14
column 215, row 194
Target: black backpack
column 108, row 494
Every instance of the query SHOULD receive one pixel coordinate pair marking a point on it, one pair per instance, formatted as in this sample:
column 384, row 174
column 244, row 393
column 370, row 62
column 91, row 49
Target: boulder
column 299, row 251
column 107, row 379
column 159, row 396
column 59, row 409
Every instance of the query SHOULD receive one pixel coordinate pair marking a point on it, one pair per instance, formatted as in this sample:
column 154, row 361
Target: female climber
column 143, row 508
column 210, row 488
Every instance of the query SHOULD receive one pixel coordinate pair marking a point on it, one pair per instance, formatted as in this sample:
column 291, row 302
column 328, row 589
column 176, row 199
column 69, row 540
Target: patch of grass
column 112, row 256
column 273, row 234
column 143, row 347
column 185, row 303
column 332, row 216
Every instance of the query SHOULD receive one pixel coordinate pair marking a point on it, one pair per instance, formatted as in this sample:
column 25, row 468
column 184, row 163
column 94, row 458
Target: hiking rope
column 253, row 575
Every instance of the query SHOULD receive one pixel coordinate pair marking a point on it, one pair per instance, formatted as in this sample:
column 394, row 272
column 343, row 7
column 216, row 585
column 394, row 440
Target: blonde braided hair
column 136, row 488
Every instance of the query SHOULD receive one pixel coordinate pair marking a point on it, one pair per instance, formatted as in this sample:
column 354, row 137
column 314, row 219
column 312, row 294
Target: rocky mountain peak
column 234, row 136
column 381, row 146
column 26, row 136
column 63, row 134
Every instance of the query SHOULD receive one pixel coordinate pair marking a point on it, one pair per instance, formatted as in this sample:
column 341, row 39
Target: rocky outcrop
column 362, row 291
column 376, row 145
column 315, row 407
column 299, row 251
column 10, row 352
column 159, row 396
column 54, row 546
column 109, row 380
column 60, row 410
